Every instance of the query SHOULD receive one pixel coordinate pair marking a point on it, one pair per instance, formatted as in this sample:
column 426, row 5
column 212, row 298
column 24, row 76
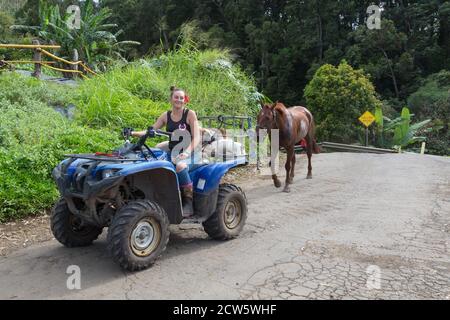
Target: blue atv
column 134, row 192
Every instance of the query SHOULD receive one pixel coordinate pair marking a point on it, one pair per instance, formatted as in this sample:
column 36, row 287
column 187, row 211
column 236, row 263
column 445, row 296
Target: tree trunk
column 320, row 31
column 394, row 79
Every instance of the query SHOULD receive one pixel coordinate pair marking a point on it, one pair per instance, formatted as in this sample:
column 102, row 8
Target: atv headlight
column 108, row 173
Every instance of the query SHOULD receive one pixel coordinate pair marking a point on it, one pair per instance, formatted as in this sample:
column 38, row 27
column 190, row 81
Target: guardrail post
column 422, row 148
column 37, row 56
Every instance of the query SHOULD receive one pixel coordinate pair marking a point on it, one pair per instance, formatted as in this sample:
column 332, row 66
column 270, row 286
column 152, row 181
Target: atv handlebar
column 127, row 133
column 150, row 133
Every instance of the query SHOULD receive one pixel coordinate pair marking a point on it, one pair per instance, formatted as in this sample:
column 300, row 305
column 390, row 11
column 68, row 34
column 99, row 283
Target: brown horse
column 294, row 124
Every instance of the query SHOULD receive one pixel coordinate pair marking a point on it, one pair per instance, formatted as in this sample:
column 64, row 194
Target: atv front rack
column 91, row 156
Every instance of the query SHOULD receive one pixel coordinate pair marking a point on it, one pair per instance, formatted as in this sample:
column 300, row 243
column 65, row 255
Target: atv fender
column 159, row 185
column 207, row 178
column 206, row 181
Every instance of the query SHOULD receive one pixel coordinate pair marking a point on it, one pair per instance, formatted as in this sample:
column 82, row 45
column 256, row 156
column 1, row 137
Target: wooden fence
column 75, row 68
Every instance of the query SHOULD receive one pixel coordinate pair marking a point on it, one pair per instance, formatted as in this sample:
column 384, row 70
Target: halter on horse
column 294, row 124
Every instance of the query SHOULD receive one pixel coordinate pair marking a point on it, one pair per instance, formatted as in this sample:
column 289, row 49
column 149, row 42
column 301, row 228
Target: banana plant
column 399, row 132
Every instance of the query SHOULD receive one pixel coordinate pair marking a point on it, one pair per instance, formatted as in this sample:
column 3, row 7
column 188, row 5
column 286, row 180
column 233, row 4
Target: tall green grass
column 136, row 94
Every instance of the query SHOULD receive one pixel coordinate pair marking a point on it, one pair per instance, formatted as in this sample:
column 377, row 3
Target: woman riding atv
column 184, row 152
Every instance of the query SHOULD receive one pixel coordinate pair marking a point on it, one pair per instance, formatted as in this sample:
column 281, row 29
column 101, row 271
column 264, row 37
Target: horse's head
column 266, row 117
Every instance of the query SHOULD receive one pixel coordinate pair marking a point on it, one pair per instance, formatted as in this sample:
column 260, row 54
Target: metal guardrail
column 354, row 148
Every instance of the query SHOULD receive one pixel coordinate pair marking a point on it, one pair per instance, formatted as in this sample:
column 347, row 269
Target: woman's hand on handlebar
column 151, row 133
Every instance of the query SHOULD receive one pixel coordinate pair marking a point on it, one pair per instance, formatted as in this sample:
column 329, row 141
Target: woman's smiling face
column 178, row 99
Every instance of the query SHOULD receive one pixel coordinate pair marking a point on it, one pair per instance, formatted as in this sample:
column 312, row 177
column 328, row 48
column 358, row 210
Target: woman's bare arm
column 195, row 130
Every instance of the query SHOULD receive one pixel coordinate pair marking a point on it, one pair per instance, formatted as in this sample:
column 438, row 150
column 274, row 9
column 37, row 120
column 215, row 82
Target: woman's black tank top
column 171, row 126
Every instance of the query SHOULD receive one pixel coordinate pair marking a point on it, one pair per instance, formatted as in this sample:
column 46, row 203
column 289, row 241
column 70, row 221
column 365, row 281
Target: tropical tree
column 6, row 21
column 94, row 40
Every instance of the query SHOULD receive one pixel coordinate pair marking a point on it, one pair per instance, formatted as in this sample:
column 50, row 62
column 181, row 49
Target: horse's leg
column 309, row 151
column 291, row 177
column 287, row 166
column 276, row 181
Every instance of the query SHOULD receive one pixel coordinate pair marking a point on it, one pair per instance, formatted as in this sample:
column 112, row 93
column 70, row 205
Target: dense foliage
column 94, row 39
column 283, row 42
column 33, row 139
column 432, row 100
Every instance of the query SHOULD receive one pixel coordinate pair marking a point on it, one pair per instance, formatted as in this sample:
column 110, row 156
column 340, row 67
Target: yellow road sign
column 367, row 118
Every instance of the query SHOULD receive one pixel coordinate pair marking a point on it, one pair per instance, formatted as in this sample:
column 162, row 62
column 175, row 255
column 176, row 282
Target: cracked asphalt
column 366, row 226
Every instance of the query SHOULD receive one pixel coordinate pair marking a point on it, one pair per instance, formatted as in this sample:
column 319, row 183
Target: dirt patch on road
column 23, row 233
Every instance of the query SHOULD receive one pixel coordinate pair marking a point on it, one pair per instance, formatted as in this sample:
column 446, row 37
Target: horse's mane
column 282, row 110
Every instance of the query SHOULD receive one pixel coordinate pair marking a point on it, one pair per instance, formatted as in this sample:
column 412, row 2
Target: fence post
column 37, row 56
column 75, row 66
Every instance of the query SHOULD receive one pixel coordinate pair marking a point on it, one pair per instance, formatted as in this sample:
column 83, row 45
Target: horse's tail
column 312, row 133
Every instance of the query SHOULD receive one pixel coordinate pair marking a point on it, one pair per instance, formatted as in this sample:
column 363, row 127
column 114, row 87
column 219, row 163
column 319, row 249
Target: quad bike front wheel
column 228, row 219
column 138, row 234
column 69, row 229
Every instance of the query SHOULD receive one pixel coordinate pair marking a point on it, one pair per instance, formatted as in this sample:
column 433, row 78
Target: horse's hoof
column 287, row 189
column 309, row 176
column 277, row 184
column 291, row 181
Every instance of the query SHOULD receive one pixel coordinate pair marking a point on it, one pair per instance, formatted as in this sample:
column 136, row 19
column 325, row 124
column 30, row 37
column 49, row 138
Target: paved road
column 366, row 226
column 49, row 78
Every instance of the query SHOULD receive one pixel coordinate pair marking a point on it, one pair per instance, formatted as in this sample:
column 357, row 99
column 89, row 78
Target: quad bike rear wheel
column 228, row 219
column 69, row 229
column 138, row 234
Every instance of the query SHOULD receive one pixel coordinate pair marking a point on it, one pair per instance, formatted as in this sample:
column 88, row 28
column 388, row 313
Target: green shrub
column 337, row 96
column 33, row 139
column 21, row 90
